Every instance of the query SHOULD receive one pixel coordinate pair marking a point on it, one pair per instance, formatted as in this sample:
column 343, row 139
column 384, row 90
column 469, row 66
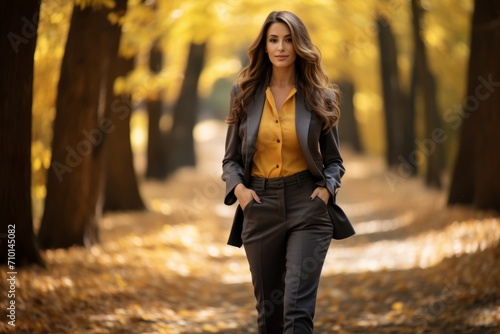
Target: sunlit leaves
column 169, row 270
column 447, row 35
column 140, row 28
column 344, row 31
column 95, row 4
column 52, row 33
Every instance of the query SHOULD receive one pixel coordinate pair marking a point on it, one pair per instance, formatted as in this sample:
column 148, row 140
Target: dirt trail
column 414, row 266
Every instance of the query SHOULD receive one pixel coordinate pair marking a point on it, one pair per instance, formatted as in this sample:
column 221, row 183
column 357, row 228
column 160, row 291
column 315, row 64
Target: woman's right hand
column 245, row 195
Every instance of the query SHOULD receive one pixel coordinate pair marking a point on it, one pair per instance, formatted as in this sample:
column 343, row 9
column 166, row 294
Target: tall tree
column 181, row 142
column 157, row 160
column 121, row 191
column 398, row 120
column 475, row 179
column 348, row 129
column 19, row 24
column 74, row 182
column 424, row 88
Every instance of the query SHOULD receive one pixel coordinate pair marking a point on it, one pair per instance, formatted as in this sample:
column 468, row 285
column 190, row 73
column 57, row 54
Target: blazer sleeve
column 333, row 168
column 232, row 164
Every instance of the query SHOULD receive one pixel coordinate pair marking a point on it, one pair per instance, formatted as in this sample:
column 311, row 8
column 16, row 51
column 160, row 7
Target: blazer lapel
column 253, row 121
column 254, row 115
column 303, row 126
column 302, row 121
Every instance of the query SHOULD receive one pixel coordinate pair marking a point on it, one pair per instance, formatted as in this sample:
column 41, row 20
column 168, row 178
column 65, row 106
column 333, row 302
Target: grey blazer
column 320, row 149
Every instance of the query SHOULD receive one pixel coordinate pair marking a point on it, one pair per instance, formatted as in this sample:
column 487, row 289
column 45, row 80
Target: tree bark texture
column 121, row 192
column 476, row 179
column 399, row 123
column 348, row 127
column 19, row 24
column 181, row 142
column 74, row 182
column 157, row 141
column 424, row 87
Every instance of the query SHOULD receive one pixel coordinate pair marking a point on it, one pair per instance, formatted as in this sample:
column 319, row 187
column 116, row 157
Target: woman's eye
column 289, row 40
column 272, row 40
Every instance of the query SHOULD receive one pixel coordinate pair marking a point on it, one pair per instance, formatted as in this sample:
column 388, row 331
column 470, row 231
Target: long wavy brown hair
column 320, row 96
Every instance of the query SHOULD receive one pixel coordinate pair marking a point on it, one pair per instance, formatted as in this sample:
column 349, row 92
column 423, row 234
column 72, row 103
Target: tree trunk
column 427, row 149
column 475, row 179
column 398, row 120
column 121, row 191
column 181, row 142
column 157, row 160
column 348, row 128
column 74, row 181
column 19, row 24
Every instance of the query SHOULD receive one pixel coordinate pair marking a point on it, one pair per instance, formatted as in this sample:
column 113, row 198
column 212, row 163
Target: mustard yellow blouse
column 278, row 151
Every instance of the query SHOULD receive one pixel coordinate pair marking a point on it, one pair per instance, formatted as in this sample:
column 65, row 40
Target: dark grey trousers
column 286, row 239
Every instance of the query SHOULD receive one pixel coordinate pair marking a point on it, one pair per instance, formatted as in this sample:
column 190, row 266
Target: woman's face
column 279, row 45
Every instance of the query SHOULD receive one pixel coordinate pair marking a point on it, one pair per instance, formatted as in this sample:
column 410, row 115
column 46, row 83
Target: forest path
column 414, row 266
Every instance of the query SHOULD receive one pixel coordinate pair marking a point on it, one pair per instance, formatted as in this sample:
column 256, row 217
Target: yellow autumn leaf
column 398, row 306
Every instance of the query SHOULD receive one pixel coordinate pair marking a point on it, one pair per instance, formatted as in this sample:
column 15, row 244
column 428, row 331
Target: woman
column 282, row 164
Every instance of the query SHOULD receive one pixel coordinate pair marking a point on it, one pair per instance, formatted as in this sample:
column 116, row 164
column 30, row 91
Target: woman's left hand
column 322, row 193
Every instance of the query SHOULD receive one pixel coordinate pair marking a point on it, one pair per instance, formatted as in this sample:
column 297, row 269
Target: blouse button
column 277, row 166
column 279, row 141
column 276, row 121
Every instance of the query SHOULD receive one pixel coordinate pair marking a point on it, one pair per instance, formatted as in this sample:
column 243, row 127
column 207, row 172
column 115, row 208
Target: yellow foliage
column 217, row 67
column 96, row 4
column 344, row 31
column 140, row 28
column 52, row 32
column 156, row 271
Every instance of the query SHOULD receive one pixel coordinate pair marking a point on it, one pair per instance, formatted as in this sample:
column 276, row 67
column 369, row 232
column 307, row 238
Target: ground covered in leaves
column 415, row 265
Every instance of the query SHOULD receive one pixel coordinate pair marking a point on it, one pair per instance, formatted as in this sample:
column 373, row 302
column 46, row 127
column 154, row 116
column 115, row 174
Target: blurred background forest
column 158, row 37
column 103, row 100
